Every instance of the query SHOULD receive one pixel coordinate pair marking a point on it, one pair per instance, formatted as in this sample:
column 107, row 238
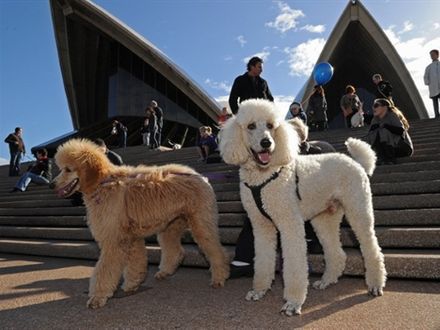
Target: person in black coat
column 40, row 172
column 317, row 110
column 297, row 111
column 249, row 85
column 158, row 112
column 383, row 87
column 16, row 151
column 121, row 133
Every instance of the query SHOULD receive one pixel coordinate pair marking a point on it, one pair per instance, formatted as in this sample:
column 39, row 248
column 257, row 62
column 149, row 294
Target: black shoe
column 241, row 271
column 15, row 190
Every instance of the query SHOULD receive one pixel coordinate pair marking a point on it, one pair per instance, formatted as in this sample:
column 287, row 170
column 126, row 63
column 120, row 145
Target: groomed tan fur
column 125, row 204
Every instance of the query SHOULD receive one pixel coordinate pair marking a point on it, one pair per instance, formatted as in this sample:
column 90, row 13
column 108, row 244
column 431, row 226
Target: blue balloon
column 323, row 73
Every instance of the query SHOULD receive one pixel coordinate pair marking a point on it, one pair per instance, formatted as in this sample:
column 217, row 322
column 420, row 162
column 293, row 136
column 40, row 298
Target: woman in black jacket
column 317, row 110
column 388, row 134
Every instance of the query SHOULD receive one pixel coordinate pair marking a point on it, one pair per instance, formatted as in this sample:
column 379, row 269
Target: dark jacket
column 317, row 108
column 42, row 167
column 12, row 140
column 384, row 89
column 246, row 87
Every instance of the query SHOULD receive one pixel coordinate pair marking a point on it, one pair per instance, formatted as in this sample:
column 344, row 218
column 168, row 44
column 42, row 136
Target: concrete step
column 48, row 198
column 389, row 237
column 420, row 264
column 408, row 217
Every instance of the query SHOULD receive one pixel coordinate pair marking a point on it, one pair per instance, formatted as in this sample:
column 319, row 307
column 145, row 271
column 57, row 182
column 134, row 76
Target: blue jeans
column 14, row 163
column 29, row 177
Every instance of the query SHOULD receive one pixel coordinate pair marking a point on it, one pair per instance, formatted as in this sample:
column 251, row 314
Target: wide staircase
column 406, row 202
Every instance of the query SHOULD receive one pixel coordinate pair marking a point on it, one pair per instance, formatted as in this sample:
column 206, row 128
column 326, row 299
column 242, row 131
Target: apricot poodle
column 125, row 204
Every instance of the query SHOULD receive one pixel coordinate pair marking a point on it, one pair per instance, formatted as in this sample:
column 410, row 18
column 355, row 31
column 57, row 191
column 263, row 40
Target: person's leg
column 12, row 163
column 153, row 142
column 146, row 138
column 200, row 151
column 159, row 136
column 38, row 179
column 435, row 101
column 23, row 182
column 206, row 151
column 243, row 263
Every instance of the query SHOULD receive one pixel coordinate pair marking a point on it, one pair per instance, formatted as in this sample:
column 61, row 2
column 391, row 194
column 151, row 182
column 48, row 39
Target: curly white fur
column 262, row 143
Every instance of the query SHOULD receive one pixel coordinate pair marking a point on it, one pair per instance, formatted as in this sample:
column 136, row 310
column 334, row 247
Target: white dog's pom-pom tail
column 362, row 153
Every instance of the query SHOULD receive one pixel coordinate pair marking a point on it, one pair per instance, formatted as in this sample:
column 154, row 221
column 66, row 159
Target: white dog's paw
column 96, row 302
column 374, row 291
column 321, row 284
column 290, row 308
column 255, row 295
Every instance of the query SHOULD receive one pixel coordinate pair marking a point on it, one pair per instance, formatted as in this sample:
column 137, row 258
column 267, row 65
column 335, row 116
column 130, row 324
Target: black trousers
column 245, row 250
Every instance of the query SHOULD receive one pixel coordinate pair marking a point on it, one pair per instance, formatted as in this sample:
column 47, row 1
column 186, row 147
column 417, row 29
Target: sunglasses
column 377, row 105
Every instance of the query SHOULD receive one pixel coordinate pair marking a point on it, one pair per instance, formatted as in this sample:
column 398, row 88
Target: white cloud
column 415, row 55
column 436, row 26
column 241, row 40
column 407, row 26
column 287, row 19
column 264, row 55
column 303, row 57
column 313, row 28
column 223, row 85
column 228, row 58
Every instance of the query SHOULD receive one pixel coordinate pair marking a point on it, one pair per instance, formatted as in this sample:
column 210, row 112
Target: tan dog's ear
column 232, row 148
column 91, row 170
column 286, row 145
column 300, row 128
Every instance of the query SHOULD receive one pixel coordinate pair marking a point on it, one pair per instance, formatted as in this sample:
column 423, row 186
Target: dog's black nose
column 52, row 185
column 265, row 143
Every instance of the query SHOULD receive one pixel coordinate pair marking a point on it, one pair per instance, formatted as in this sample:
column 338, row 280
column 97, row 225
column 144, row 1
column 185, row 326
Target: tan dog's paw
column 291, row 308
column 217, row 284
column 255, row 295
column 96, row 302
column 161, row 275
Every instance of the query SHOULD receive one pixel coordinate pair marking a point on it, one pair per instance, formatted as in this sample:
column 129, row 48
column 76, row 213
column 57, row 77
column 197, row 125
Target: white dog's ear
column 300, row 128
column 286, row 145
column 232, row 148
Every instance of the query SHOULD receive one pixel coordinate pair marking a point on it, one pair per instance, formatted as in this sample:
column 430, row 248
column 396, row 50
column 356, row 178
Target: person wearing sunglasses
column 388, row 133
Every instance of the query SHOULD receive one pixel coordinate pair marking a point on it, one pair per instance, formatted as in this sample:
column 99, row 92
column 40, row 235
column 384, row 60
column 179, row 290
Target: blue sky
column 209, row 39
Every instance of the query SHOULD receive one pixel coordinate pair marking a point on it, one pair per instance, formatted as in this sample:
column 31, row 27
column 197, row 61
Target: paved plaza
column 49, row 293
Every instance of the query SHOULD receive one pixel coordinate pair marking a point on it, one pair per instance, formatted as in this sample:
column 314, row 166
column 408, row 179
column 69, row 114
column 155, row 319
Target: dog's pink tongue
column 264, row 157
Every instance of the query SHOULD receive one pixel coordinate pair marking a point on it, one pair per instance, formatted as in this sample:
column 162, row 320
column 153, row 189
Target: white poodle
column 280, row 190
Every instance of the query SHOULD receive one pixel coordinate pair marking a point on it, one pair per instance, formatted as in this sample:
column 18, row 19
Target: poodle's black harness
column 256, row 191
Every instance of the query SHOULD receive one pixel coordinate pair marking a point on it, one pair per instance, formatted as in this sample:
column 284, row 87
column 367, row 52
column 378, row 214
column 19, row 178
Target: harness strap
column 297, row 185
column 256, row 193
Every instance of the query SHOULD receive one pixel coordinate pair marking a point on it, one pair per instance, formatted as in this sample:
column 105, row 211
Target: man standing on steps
column 158, row 112
column 16, row 150
column 383, row 88
column 432, row 79
column 249, row 85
